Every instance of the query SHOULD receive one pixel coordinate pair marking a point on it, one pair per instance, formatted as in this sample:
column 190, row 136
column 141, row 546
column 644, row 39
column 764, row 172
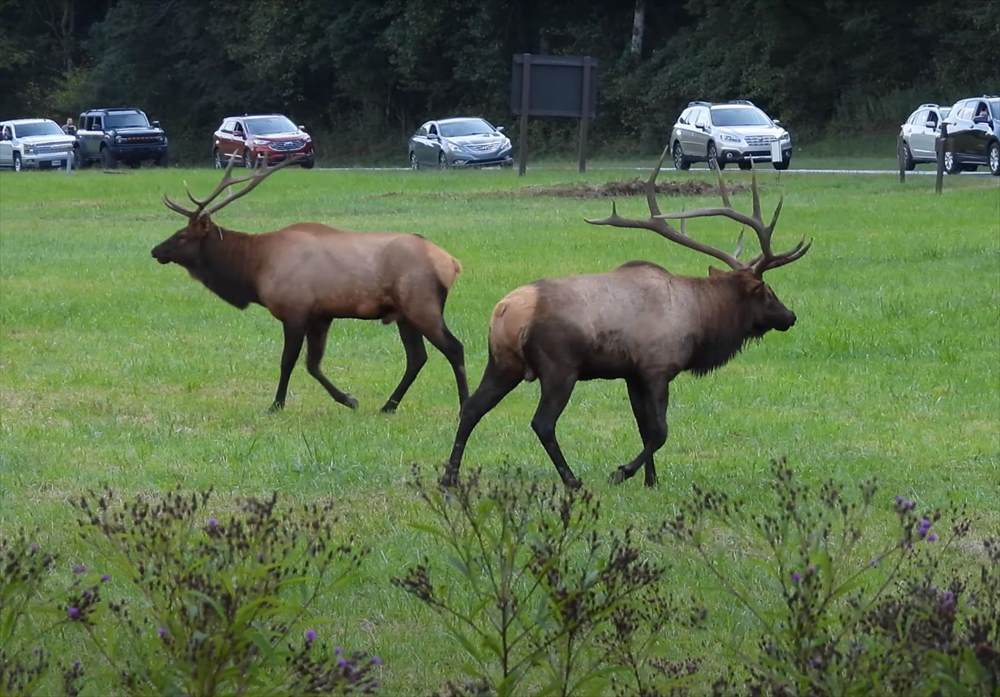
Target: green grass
column 117, row 370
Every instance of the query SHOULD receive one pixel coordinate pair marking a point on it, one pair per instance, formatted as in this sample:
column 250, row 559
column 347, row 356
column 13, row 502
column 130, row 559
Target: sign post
column 553, row 86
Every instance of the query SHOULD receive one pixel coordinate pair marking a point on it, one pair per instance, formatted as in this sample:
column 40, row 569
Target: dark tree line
column 365, row 72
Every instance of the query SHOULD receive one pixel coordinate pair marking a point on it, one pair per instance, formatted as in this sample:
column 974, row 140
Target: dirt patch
column 632, row 187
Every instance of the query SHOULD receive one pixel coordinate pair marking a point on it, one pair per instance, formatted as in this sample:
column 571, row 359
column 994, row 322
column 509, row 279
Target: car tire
column 108, row 160
column 905, row 157
column 680, row 162
column 745, row 165
column 783, row 165
column 248, row 160
column 713, row 157
column 951, row 166
column 163, row 160
column 309, row 164
column 18, row 166
column 414, row 163
column 135, row 164
column 442, row 161
column 993, row 158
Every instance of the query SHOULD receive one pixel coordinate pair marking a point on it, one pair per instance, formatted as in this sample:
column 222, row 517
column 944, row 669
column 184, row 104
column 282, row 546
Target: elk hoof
column 449, row 479
column 390, row 407
column 572, row 483
column 618, row 476
column 650, row 481
column 275, row 407
column 350, row 402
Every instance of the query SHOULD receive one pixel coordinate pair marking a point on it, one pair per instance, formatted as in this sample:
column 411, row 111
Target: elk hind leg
column 315, row 348
column 416, row 357
column 433, row 327
column 495, row 385
column 557, row 386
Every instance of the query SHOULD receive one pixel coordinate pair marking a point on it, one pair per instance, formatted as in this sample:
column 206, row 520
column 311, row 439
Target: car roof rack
column 699, row 102
column 929, row 104
column 741, row 101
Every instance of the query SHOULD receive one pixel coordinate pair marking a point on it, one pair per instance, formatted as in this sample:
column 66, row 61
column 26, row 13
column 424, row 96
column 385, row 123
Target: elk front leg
column 556, row 391
column 416, row 356
column 495, row 385
column 289, row 355
column 649, row 405
column 315, row 348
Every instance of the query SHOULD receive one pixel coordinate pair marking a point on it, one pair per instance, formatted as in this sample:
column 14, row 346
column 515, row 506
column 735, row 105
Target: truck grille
column 140, row 139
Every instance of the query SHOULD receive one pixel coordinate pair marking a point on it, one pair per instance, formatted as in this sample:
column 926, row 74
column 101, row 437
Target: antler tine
column 722, row 188
column 756, row 197
column 261, row 173
column 178, row 208
column 762, row 264
column 657, row 223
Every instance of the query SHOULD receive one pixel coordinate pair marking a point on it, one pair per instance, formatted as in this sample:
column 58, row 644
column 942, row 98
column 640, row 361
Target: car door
column 90, row 137
column 432, row 145
column 959, row 125
column 979, row 133
column 225, row 141
column 6, row 147
column 700, row 133
column 417, row 143
column 687, row 132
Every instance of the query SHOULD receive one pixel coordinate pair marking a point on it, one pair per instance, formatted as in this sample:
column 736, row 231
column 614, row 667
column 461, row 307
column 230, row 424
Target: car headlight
column 729, row 138
column 259, row 141
column 785, row 136
column 118, row 139
column 450, row 147
column 29, row 149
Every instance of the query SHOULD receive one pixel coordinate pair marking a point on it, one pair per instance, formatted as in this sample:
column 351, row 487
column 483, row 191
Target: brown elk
column 308, row 274
column 639, row 323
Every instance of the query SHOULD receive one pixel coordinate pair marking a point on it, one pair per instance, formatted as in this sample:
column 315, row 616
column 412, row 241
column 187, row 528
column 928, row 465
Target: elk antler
column 766, row 259
column 658, row 224
column 260, row 173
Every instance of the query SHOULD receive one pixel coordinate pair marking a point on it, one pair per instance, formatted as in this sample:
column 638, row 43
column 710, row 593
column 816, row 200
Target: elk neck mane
column 724, row 327
column 228, row 266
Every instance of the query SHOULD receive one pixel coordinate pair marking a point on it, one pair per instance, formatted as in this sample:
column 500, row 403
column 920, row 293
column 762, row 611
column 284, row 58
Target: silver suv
column 34, row 143
column 735, row 131
column 918, row 135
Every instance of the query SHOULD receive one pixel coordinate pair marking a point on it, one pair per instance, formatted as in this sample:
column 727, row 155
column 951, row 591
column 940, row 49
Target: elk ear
column 713, row 272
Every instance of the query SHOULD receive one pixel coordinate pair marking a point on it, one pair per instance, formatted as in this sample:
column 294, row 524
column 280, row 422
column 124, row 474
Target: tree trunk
column 638, row 27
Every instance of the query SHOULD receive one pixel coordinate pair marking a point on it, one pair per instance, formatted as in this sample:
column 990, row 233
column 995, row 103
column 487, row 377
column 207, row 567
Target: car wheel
column 950, row 165
column 680, row 162
column 783, row 165
column 905, row 156
column 309, row 164
column 713, row 158
column 135, row 164
column 442, row 161
column 108, row 160
column 248, row 160
column 745, row 165
column 994, row 159
column 17, row 162
column 163, row 160
column 217, row 160
column 414, row 164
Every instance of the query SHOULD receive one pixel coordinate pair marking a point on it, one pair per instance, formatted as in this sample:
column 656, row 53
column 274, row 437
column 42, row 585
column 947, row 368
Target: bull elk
column 639, row 323
column 308, row 274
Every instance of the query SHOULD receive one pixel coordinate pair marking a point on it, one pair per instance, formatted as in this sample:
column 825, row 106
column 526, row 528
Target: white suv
column 729, row 132
column 34, row 143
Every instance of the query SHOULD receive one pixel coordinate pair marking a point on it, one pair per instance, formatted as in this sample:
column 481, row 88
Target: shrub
column 214, row 604
column 534, row 592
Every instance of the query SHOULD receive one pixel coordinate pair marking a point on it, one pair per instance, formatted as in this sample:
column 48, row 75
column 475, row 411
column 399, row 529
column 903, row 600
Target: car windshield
column 45, row 128
column 739, row 116
column 465, row 127
column 270, row 124
column 128, row 119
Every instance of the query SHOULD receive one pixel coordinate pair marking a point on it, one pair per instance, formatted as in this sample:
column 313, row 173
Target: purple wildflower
column 796, row 577
column 33, row 547
column 932, row 537
column 162, row 633
column 79, row 569
column 376, row 661
column 341, row 663
column 337, row 651
column 74, row 612
column 923, row 527
column 105, row 578
column 310, row 636
column 909, row 505
column 213, row 523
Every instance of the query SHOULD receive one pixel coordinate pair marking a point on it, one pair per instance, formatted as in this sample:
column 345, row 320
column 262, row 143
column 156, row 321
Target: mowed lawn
column 116, row 370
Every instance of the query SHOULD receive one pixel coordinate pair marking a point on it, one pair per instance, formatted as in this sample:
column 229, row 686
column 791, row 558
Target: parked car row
column 973, row 127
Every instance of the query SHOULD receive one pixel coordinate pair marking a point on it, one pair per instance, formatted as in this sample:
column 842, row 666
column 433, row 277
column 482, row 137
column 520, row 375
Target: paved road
column 601, row 168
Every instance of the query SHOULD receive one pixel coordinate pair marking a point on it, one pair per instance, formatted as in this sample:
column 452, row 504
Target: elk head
column 184, row 247
column 760, row 306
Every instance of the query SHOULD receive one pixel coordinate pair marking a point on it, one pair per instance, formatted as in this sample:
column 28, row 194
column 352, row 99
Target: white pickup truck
column 34, row 143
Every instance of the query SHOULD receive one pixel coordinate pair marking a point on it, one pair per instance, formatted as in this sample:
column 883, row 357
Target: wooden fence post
column 939, row 146
column 901, row 158
column 522, row 136
column 584, row 116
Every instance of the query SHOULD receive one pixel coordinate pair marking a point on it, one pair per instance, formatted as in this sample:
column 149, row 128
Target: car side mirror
column 302, row 128
column 500, row 129
column 434, row 136
column 155, row 124
column 777, row 122
column 931, row 124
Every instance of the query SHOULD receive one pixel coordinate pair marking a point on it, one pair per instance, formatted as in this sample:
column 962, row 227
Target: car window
column 238, row 129
column 995, row 108
column 685, row 116
column 931, row 116
column 422, row 131
column 980, row 109
column 227, row 126
column 701, row 117
column 7, row 134
column 433, row 130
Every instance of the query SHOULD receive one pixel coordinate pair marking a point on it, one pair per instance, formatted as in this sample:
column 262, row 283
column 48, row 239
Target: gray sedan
column 459, row 142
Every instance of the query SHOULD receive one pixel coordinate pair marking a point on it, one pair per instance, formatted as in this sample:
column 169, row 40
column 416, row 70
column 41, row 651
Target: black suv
column 110, row 136
column 973, row 135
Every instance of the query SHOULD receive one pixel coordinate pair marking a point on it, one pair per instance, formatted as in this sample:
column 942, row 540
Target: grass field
column 118, row 370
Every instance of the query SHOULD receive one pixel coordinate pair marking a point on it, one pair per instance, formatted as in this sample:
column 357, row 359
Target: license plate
column 775, row 151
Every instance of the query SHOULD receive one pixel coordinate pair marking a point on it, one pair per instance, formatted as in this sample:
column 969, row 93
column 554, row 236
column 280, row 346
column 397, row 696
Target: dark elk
column 308, row 274
column 639, row 323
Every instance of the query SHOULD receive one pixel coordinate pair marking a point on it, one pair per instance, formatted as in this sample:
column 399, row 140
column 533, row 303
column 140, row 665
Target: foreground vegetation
column 119, row 371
